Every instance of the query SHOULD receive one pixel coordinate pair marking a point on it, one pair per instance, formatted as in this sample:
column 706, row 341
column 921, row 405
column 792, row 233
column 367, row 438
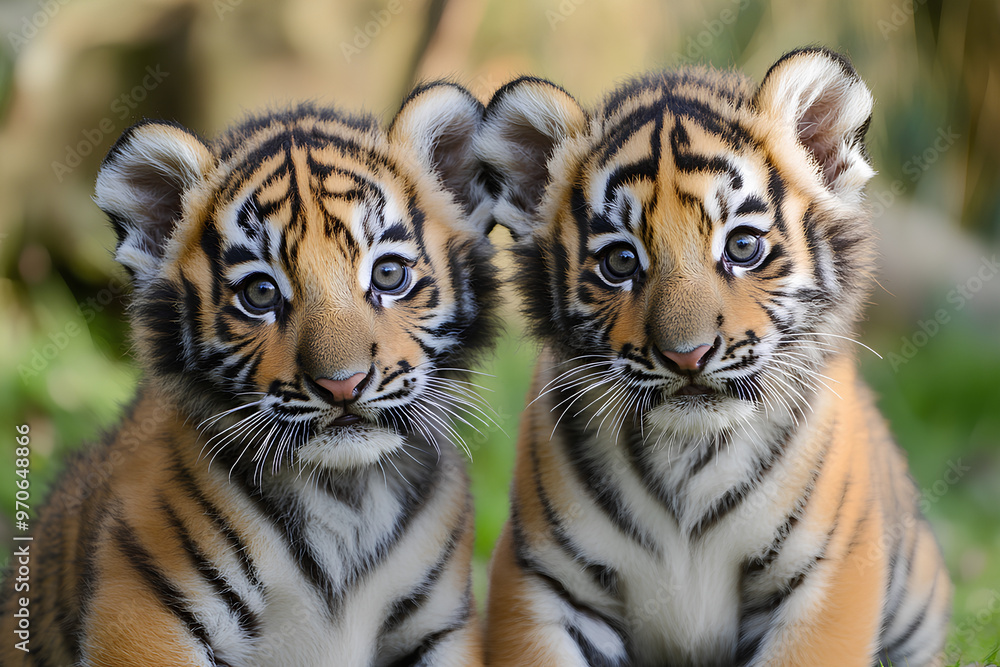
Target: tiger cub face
column 305, row 285
column 696, row 247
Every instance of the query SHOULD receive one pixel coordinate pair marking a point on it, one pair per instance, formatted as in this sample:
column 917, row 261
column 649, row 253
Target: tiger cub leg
column 451, row 629
column 532, row 619
column 129, row 626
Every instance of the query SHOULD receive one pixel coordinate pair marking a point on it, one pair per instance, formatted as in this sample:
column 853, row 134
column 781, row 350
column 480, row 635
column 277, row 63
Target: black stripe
column 245, row 617
column 899, row 572
column 419, row 657
column 625, row 127
column 687, row 162
column 211, row 245
column 777, row 252
column 708, row 452
column 404, row 607
column 93, row 514
column 396, row 232
column 159, row 308
column 628, row 174
column 776, row 193
column 560, row 591
column 784, row 530
column 756, row 614
column 238, row 255
column 422, row 284
column 286, row 514
column 603, row 576
column 737, row 494
column 246, row 218
column 596, row 479
column 169, row 595
column 240, row 550
column 897, row 646
column 592, row 654
column 651, row 480
column 752, row 204
column 814, row 246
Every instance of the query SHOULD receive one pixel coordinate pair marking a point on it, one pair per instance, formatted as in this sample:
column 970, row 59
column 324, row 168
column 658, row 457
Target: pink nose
column 688, row 361
column 343, row 390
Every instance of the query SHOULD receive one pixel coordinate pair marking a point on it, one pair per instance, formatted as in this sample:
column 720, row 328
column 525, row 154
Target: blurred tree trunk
column 432, row 21
column 958, row 48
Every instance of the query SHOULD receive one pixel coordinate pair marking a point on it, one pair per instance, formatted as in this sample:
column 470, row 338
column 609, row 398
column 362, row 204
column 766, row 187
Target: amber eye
column 260, row 293
column 390, row 275
column 743, row 247
column 619, row 262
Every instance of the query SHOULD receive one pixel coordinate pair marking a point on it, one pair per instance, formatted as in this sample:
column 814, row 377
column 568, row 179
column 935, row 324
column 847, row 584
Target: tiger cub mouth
column 693, row 389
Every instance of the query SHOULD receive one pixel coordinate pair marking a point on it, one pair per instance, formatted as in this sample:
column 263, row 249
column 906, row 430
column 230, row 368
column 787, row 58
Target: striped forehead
column 351, row 197
column 662, row 150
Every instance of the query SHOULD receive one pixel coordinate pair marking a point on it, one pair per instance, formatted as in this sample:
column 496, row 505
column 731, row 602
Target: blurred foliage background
column 75, row 73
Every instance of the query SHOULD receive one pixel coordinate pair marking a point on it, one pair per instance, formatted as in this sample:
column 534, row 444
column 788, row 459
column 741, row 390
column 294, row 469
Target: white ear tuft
column 817, row 94
column 438, row 123
column 142, row 186
column 525, row 121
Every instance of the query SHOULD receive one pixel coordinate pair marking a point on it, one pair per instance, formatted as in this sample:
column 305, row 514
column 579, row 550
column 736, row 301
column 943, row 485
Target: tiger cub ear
column 437, row 123
column 525, row 121
column 816, row 94
column 148, row 176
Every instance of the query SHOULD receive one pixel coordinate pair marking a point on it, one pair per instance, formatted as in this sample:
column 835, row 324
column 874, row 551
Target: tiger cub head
column 308, row 286
column 697, row 244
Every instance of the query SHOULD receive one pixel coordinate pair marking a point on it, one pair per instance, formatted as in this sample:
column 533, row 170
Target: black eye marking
column 259, row 294
column 619, row 262
column 752, row 205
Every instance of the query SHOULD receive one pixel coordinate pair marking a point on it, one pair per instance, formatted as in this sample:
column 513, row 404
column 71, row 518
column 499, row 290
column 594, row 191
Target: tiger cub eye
column 390, row 274
column 619, row 262
column 743, row 246
column 261, row 294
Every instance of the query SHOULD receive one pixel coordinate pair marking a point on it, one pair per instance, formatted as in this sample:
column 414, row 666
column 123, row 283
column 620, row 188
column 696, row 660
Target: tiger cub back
column 701, row 477
column 285, row 490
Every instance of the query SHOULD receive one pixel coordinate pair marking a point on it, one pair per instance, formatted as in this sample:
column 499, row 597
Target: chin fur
column 694, row 416
column 347, row 447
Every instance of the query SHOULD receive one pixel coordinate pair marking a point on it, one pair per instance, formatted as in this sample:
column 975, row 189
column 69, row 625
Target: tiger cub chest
column 326, row 568
column 691, row 532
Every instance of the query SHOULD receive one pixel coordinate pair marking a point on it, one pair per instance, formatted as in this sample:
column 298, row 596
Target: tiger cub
column 701, row 477
column 285, row 489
